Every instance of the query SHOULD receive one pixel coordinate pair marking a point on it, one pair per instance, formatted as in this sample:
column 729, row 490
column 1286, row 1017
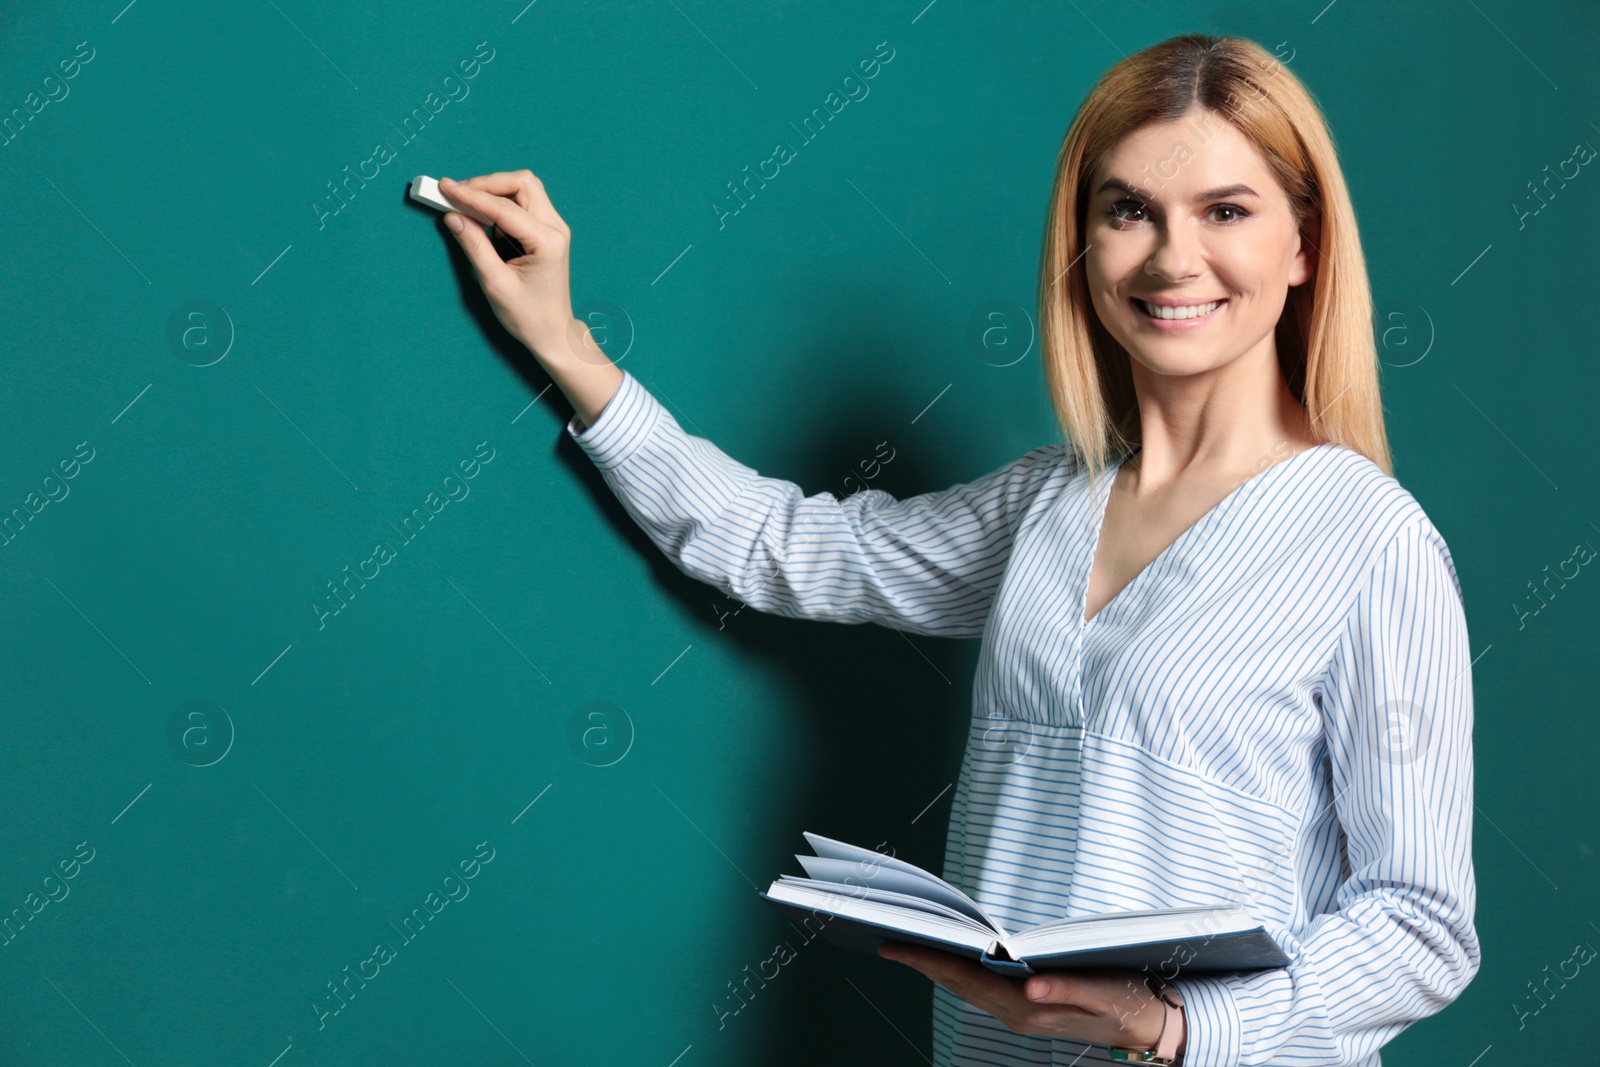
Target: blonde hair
column 1324, row 337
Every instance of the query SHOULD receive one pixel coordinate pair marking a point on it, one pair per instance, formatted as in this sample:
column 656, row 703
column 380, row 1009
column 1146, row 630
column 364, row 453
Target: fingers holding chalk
column 451, row 219
column 529, row 291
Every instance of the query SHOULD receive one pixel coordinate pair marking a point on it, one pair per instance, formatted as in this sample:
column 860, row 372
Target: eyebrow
column 1237, row 189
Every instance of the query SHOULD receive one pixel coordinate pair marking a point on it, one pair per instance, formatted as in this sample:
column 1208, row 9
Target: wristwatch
column 1166, row 1051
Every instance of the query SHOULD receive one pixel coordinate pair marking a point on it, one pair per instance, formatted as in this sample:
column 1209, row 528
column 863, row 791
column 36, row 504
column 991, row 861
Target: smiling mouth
column 1166, row 314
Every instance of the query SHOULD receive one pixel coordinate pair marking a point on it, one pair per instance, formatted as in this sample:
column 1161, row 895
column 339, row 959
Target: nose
column 1176, row 255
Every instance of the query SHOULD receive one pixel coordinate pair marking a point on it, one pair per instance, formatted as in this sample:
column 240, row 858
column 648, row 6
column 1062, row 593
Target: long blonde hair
column 1324, row 337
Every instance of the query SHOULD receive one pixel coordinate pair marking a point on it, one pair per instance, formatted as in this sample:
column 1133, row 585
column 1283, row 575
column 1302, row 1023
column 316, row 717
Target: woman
column 1238, row 671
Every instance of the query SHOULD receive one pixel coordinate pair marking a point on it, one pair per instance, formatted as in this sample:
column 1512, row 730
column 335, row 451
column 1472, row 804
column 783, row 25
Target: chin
column 1175, row 364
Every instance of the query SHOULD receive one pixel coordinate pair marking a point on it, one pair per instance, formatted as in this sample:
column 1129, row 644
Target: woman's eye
column 1239, row 212
column 1115, row 212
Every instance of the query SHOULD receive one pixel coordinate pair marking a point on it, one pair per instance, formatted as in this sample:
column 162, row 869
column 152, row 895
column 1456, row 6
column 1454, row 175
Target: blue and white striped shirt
column 1276, row 712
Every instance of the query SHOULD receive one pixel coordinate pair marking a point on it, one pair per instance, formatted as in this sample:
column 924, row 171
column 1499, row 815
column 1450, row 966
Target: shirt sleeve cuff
column 1211, row 1017
column 624, row 424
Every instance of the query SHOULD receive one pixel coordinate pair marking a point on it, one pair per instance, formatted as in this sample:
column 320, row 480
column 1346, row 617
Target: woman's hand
column 1102, row 1006
column 530, row 294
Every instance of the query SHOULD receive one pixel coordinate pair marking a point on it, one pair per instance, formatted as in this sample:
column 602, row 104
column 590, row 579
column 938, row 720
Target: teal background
column 362, row 760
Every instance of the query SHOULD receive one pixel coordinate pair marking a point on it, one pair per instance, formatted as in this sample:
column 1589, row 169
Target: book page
column 891, row 916
column 1128, row 928
column 828, row 848
column 886, row 896
column 849, row 874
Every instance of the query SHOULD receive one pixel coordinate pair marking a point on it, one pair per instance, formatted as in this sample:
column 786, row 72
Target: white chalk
column 426, row 191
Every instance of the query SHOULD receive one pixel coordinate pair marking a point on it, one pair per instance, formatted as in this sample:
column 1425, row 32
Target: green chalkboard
column 508, row 796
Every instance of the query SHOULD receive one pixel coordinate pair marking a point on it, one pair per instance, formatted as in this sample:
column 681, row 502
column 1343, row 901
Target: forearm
column 581, row 369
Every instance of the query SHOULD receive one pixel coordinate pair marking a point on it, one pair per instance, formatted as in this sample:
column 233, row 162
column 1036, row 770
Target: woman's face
column 1188, row 213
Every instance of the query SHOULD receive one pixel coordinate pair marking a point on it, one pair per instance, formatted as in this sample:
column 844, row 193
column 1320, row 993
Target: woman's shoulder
column 1040, row 474
column 1350, row 476
column 1366, row 508
column 1053, row 463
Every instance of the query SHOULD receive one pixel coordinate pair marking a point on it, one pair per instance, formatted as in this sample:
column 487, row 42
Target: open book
column 858, row 898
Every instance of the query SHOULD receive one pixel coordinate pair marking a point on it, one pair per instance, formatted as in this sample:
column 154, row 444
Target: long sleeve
column 927, row 564
column 1396, row 701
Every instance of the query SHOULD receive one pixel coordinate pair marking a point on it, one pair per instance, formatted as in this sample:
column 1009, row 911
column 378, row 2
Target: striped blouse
column 1276, row 712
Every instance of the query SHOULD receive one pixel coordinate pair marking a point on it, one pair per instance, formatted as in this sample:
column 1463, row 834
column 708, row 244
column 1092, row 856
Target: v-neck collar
column 1102, row 501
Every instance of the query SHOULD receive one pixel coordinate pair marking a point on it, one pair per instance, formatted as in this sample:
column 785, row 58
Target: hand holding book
column 1104, row 1006
column 1082, row 977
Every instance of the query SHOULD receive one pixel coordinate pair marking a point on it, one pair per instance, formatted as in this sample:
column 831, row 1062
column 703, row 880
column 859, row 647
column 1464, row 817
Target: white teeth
column 1157, row 312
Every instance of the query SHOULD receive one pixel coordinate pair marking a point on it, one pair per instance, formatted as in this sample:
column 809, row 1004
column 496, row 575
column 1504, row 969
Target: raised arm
column 929, row 563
